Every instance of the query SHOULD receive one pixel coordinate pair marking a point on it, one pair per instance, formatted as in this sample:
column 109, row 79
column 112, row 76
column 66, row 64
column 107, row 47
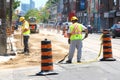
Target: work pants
column 75, row 44
column 25, row 41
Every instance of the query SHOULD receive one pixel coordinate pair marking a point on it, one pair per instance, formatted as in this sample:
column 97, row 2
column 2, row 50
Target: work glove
column 86, row 35
column 68, row 41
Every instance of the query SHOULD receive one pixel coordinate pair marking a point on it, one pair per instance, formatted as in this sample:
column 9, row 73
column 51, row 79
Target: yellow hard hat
column 74, row 18
column 21, row 19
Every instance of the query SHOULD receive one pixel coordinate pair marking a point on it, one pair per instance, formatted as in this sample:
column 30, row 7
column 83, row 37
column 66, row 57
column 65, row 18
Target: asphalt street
column 89, row 69
column 99, row 70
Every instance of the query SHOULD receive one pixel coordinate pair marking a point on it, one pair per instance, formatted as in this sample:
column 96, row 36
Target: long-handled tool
column 67, row 54
column 90, row 60
column 21, row 39
column 63, row 59
column 85, row 61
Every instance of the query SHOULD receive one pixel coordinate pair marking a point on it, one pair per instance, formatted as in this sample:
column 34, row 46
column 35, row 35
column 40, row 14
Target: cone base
column 107, row 59
column 46, row 73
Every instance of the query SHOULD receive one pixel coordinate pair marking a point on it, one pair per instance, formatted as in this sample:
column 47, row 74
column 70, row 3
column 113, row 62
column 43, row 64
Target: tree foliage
column 15, row 4
column 44, row 15
column 33, row 13
column 41, row 15
column 10, row 10
column 51, row 2
column 44, row 12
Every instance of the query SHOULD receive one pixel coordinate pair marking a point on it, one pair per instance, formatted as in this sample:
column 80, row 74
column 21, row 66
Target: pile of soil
column 59, row 49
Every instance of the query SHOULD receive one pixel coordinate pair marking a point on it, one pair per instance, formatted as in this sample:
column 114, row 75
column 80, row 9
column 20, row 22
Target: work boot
column 22, row 52
column 68, row 61
column 79, row 61
column 26, row 53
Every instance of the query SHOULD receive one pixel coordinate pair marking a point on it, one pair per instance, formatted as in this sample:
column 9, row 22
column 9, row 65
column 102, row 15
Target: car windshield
column 32, row 19
column 117, row 25
column 67, row 23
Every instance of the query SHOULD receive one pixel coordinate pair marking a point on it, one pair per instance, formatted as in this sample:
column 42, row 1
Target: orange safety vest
column 76, row 32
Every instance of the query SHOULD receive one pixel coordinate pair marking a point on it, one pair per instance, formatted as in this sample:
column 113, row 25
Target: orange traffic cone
column 46, row 59
column 107, row 46
column 65, row 34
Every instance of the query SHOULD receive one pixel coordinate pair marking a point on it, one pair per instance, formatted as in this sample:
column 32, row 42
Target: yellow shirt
column 25, row 25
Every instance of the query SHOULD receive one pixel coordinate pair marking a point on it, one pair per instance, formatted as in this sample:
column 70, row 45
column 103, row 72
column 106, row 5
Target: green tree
column 50, row 3
column 16, row 4
column 46, row 9
column 10, row 10
column 33, row 13
column 44, row 15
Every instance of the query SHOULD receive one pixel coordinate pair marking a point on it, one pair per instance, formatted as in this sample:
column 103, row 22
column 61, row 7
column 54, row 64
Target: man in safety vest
column 25, row 31
column 75, row 39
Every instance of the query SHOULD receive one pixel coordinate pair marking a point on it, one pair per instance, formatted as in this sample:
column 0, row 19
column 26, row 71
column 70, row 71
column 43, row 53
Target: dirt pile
column 59, row 50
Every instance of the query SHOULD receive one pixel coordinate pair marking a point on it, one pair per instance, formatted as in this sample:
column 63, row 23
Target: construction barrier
column 12, row 30
column 65, row 32
column 107, row 46
column 46, row 59
column 9, row 30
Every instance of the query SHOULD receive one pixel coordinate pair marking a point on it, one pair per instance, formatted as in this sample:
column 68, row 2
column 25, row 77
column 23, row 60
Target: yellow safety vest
column 76, row 31
column 26, row 24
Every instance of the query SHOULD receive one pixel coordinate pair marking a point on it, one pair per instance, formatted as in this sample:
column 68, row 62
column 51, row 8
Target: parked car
column 115, row 30
column 67, row 23
column 51, row 23
column 90, row 29
column 65, row 27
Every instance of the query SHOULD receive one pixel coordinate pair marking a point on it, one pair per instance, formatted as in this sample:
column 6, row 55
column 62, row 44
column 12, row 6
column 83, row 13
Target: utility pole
column 3, row 45
column 10, row 14
column 99, row 16
column 89, row 11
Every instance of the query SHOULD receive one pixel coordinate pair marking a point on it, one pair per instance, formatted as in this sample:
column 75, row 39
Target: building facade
column 101, row 14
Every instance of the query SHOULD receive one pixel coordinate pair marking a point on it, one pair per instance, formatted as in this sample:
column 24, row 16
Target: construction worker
column 75, row 39
column 25, row 31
